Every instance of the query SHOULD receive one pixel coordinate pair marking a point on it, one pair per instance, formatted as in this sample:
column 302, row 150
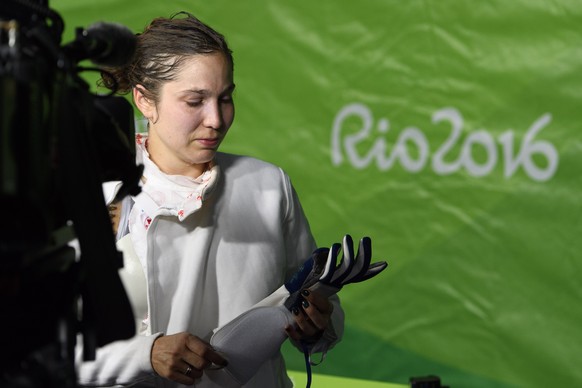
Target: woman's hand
column 183, row 357
column 312, row 318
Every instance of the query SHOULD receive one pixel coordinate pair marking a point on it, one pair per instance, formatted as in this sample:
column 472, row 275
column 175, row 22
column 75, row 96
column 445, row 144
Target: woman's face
column 192, row 116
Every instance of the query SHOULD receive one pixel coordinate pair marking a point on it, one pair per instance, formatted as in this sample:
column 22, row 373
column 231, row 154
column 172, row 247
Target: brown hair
column 160, row 51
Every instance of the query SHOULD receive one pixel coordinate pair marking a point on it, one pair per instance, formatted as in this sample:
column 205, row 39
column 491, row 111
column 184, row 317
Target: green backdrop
column 447, row 131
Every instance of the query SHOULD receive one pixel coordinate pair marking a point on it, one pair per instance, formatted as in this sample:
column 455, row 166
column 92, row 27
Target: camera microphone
column 105, row 44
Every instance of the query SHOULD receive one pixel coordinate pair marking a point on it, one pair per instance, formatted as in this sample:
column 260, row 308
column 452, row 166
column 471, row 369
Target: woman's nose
column 213, row 115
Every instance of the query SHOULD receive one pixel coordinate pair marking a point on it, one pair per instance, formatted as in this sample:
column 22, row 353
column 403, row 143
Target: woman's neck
column 174, row 166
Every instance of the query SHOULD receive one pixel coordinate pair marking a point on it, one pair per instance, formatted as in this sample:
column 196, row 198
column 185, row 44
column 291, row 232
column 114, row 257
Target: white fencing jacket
column 203, row 251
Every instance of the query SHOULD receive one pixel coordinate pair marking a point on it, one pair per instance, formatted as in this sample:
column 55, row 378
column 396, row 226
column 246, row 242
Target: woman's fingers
column 183, row 357
column 203, row 356
column 317, row 308
column 312, row 318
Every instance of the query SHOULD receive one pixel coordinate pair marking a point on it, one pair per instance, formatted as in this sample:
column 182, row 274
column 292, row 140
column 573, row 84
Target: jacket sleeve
column 118, row 363
column 299, row 245
column 122, row 362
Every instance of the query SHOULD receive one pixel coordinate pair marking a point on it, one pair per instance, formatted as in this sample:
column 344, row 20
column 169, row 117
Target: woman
column 214, row 233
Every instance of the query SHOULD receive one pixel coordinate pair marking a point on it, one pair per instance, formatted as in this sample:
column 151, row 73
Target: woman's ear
column 146, row 106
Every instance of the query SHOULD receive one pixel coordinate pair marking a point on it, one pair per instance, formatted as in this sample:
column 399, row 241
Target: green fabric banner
column 448, row 132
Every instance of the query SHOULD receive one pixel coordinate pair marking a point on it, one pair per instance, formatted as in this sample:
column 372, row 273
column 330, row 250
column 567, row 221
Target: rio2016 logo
column 417, row 161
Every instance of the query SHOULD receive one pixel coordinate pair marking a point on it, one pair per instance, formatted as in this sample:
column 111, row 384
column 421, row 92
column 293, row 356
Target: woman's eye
column 194, row 103
column 226, row 99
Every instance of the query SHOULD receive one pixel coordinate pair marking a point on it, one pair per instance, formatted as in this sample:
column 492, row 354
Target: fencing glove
column 256, row 335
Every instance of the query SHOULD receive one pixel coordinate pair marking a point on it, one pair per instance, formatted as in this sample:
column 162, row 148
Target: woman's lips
column 211, row 143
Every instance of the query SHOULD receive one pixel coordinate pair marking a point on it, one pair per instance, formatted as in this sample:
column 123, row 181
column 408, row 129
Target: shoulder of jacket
column 247, row 163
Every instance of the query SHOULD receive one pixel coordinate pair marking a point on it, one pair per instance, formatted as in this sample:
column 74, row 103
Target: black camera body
column 58, row 143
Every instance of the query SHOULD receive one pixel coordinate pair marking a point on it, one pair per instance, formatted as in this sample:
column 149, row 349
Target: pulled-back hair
column 161, row 49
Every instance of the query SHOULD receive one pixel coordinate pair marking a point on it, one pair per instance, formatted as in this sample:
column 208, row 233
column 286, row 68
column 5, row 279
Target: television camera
column 59, row 142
